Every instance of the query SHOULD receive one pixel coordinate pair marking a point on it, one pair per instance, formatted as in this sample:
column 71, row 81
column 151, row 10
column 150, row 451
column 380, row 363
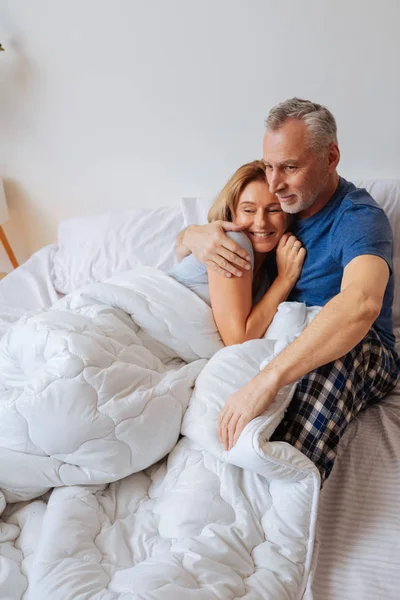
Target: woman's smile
column 261, row 234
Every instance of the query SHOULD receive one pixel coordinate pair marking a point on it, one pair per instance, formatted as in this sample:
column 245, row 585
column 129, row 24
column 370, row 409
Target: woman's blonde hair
column 227, row 200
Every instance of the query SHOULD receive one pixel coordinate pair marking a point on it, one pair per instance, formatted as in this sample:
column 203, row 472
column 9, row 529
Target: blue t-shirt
column 350, row 224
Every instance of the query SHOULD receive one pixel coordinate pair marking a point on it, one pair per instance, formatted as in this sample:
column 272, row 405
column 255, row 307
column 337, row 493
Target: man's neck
column 322, row 199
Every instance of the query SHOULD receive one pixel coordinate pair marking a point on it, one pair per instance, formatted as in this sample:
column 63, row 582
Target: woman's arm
column 231, row 299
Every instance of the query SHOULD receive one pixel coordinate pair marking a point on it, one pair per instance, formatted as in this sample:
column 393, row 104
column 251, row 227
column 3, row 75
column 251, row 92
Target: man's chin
column 291, row 208
column 295, row 205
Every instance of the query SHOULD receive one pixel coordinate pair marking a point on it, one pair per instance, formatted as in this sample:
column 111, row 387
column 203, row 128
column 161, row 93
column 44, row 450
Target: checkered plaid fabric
column 327, row 399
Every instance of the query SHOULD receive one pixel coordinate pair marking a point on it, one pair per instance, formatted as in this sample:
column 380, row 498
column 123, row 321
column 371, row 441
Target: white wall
column 106, row 104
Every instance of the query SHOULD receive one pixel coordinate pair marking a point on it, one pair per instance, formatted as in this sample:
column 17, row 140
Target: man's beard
column 302, row 203
column 306, row 199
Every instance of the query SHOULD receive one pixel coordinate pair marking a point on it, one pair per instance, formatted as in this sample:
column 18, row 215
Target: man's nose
column 274, row 181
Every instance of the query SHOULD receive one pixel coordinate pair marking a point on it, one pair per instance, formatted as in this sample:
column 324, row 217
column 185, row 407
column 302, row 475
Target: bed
column 109, row 534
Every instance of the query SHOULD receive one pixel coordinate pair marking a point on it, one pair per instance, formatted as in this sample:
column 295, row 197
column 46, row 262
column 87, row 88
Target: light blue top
column 193, row 274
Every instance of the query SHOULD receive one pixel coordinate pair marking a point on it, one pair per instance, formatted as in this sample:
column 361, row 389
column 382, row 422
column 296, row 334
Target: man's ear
column 333, row 157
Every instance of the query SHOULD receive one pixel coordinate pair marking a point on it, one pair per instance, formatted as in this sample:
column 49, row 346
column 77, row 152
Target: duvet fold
column 110, row 399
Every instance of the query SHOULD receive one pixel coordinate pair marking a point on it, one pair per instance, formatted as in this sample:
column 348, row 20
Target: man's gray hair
column 319, row 120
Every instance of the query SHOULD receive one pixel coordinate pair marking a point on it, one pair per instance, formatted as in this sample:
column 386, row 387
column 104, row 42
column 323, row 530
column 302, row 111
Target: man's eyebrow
column 289, row 161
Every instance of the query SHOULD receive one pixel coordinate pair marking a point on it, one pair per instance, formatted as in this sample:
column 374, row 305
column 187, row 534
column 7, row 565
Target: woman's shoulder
column 189, row 269
column 193, row 275
column 243, row 241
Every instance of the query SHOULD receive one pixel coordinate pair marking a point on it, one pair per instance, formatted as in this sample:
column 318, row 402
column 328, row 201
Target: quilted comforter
column 113, row 484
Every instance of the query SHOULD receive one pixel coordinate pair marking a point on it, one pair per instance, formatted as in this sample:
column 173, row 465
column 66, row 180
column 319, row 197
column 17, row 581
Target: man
column 345, row 359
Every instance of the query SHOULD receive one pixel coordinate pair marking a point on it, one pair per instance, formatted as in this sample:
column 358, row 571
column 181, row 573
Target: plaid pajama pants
column 327, row 399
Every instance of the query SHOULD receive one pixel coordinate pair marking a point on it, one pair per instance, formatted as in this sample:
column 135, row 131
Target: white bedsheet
column 359, row 516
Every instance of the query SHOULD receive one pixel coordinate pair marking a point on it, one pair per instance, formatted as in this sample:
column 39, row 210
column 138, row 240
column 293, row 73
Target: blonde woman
column 244, row 306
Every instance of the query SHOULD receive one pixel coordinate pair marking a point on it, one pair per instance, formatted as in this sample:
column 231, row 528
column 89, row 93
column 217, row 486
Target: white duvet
column 95, row 396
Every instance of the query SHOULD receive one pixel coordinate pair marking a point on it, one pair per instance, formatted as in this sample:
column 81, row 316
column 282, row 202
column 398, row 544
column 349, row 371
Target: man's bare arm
column 340, row 325
column 211, row 246
column 182, row 250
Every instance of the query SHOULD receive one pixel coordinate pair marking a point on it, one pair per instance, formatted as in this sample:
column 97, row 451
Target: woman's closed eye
column 249, row 211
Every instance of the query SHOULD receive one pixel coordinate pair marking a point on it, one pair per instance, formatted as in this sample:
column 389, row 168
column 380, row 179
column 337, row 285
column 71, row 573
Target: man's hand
column 243, row 406
column 211, row 246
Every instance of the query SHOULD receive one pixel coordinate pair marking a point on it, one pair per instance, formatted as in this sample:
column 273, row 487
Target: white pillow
column 195, row 210
column 96, row 247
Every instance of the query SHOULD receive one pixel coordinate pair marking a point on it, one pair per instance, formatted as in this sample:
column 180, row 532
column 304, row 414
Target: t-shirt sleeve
column 189, row 270
column 243, row 241
column 362, row 229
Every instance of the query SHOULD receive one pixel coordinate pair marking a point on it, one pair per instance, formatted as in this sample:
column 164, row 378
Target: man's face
column 295, row 173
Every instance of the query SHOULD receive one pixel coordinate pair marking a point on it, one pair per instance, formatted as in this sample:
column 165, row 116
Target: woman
column 243, row 307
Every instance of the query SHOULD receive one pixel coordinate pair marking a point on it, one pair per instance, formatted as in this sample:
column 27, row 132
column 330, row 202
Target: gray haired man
column 344, row 360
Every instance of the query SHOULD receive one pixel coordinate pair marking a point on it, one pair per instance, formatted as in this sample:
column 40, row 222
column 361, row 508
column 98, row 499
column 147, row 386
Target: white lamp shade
column 3, row 205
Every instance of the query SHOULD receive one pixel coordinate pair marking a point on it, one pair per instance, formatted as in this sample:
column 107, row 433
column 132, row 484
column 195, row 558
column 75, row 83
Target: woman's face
column 260, row 213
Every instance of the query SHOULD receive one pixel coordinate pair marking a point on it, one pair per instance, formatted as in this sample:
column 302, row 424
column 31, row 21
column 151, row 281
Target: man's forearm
column 340, row 326
column 181, row 249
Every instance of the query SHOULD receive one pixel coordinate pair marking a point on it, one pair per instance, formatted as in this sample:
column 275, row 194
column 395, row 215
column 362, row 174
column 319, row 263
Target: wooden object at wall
column 8, row 248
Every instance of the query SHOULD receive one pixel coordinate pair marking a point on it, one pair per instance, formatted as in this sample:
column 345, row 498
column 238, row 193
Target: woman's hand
column 212, row 247
column 290, row 256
